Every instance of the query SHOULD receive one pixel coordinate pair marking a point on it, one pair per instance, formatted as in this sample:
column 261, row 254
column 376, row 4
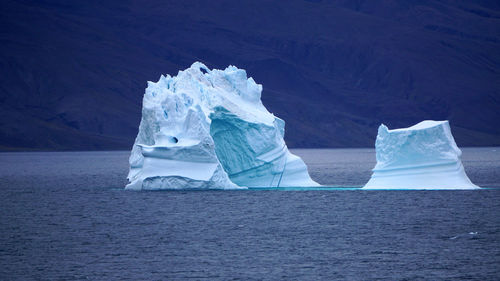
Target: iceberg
column 208, row 129
column 424, row 156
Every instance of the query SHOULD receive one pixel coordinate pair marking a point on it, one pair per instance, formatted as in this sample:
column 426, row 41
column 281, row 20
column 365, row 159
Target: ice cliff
column 424, row 156
column 208, row 129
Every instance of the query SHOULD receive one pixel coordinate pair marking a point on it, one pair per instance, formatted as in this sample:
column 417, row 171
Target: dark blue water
column 64, row 216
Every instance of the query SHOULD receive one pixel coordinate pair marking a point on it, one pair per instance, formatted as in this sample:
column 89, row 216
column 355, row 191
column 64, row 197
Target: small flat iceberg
column 208, row 129
column 423, row 156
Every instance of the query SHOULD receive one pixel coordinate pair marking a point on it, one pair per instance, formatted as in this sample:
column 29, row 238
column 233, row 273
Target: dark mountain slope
column 73, row 74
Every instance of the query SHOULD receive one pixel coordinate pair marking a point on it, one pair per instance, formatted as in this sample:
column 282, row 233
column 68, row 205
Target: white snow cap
column 423, row 156
column 209, row 129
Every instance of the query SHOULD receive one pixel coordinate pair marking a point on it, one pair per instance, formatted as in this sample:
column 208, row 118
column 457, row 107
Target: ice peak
column 421, row 125
column 199, row 66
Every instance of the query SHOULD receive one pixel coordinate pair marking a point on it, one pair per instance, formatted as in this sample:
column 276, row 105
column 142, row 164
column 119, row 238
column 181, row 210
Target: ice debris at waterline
column 424, row 156
column 208, row 129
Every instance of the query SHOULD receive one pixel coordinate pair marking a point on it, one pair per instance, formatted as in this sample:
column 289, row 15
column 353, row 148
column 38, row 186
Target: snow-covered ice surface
column 424, row 156
column 208, row 129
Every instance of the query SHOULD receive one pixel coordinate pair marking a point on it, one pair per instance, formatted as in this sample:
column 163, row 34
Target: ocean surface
column 65, row 216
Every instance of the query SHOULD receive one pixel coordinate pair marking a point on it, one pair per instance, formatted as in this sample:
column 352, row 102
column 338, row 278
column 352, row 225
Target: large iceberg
column 424, row 156
column 208, row 129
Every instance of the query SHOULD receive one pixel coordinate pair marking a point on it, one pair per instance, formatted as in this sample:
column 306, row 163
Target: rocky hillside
column 73, row 72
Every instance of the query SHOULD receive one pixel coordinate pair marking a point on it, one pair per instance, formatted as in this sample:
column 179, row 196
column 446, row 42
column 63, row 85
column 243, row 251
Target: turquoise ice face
column 255, row 154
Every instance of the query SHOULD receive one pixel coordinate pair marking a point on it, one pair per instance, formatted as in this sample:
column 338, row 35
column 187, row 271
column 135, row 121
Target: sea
column 66, row 216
